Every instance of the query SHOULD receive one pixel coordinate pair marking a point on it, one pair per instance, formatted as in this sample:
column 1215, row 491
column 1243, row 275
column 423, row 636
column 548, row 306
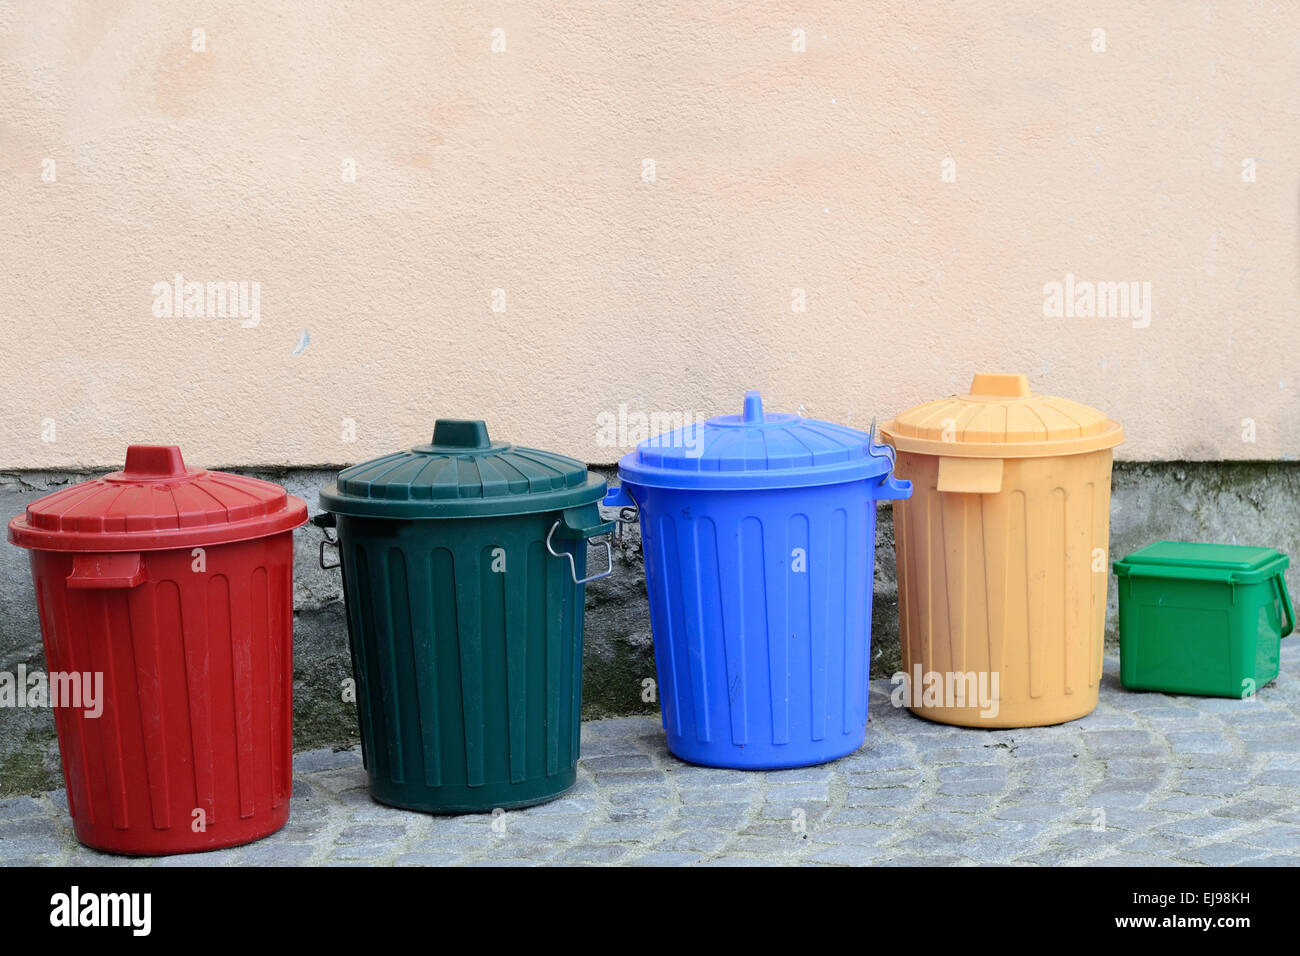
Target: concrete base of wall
column 1236, row 503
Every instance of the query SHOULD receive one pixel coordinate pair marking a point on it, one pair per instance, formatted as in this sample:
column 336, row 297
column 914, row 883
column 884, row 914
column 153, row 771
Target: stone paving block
column 1052, row 856
column 621, row 728
column 1188, row 804
column 882, row 797
column 961, row 755
column 1220, row 854
column 1044, row 763
column 884, row 778
column 695, row 841
column 629, row 778
column 930, row 841
column 226, row 857
column 985, row 787
column 370, row 834
column 714, row 815
column 666, row 859
column 593, row 853
column 641, row 797
column 20, row 808
column 428, row 859
column 912, row 860
column 799, row 793
column 961, row 804
column 1040, row 792
column 1209, row 782
column 637, row 814
column 866, row 816
column 851, row 835
column 506, row 862
column 1041, row 812
column 1199, row 826
column 1119, row 794
column 1120, row 743
column 617, row 762
column 1284, row 837
column 1158, row 844
column 370, row 852
column 702, row 796
column 848, row 855
column 740, row 861
column 1129, row 859
column 267, row 853
column 1248, row 809
column 777, row 848
column 1201, row 742
column 565, row 806
column 1287, row 779
column 314, row 761
column 341, row 781
column 520, row 848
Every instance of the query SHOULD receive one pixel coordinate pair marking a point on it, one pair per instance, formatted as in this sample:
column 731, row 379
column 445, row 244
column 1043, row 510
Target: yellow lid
column 1001, row 418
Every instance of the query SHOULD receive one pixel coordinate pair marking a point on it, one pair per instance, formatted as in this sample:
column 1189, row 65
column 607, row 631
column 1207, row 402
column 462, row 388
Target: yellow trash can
column 1002, row 564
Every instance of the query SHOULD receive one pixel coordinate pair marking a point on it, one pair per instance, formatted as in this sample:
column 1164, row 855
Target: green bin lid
column 462, row 473
column 1230, row 563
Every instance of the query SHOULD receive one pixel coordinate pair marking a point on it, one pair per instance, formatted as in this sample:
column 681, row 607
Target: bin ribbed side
column 466, row 645
column 1012, row 583
column 197, row 697
column 759, row 606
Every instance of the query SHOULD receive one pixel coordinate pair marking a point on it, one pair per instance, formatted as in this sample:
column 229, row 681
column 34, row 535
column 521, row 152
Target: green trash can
column 463, row 564
column 1202, row 619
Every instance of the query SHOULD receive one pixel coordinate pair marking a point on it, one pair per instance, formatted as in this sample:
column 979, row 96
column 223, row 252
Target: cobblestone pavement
column 1146, row 779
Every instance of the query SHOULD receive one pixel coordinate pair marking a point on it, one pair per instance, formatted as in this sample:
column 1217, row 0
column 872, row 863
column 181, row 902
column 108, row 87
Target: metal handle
column 573, row 567
column 891, row 487
column 331, row 542
column 629, row 512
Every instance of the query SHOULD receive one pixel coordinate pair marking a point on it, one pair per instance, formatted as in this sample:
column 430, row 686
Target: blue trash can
column 759, row 540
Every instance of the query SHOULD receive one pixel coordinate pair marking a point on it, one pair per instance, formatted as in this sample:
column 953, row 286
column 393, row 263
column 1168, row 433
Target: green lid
column 1229, row 563
column 461, row 473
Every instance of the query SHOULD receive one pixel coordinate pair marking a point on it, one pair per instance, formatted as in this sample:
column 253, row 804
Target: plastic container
column 759, row 535
column 464, row 562
column 1202, row 618
column 174, row 587
column 1002, row 554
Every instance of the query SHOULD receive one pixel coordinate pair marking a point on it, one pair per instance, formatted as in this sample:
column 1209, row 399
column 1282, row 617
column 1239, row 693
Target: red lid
column 154, row 503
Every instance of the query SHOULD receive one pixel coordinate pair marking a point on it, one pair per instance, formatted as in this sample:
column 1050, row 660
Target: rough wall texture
column 128, row 156
column 1243, row 503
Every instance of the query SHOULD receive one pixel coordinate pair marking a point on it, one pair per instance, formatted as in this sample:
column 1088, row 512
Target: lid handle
column 153, row 461
column 753, row 414
column 996, row 385
column 461, row 433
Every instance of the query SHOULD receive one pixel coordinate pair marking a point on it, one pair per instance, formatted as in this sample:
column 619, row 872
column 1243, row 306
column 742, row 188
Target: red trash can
column 174, row 587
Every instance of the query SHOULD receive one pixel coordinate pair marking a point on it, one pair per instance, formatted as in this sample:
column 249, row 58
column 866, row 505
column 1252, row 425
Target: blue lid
column 759, row 450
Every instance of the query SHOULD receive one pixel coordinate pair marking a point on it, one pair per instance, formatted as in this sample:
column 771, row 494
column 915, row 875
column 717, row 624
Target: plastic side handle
column 583, row 522
column 1288, row 609
column 117, row 570
column 970, row 476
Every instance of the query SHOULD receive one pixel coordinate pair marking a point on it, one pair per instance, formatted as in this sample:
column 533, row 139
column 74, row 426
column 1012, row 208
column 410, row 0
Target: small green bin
column 464, row 564
column 1202, row 618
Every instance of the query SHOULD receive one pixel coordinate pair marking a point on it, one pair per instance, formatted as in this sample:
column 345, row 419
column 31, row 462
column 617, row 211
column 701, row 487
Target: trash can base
column 783, row 757
column 108, row 839
column 1007, row 718
column 462, row 800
